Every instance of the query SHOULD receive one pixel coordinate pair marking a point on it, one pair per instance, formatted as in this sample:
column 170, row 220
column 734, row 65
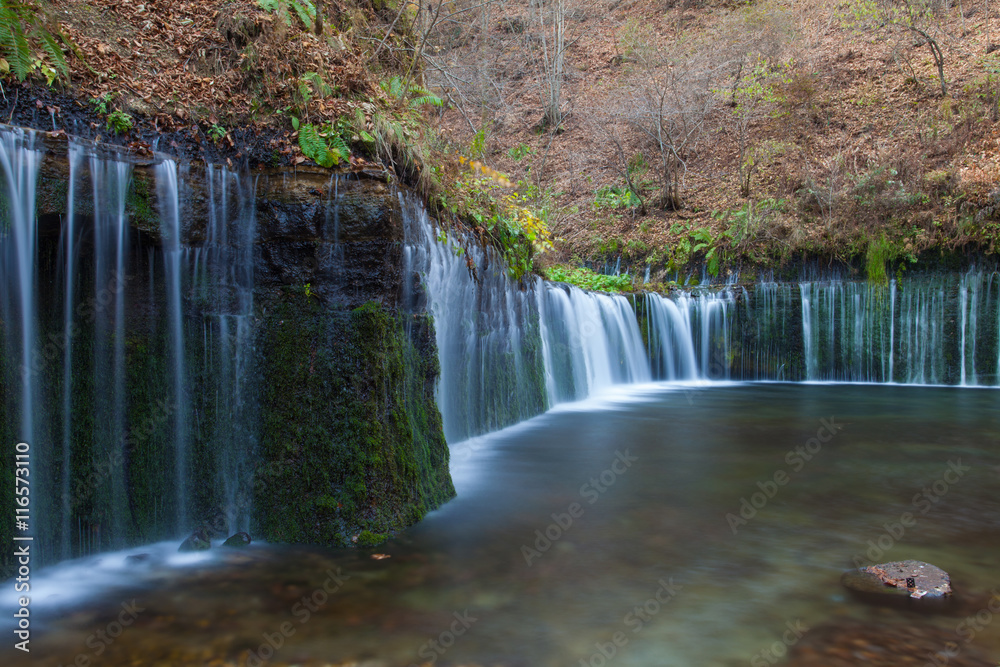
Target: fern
column 54, row 52
column 427, row 99
column 326, row 148
column 338, row 146
column 306, row 11
column 397, row 89
column 21, row 31
column 14, row 42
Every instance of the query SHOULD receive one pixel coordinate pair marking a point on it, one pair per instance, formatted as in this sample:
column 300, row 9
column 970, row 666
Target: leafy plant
column 506, row 219
column 477, row 147
column 311, row 85
column 415, row 96
column 693, row 241
column 519, row 152
column 323, row 146
column 588, row 279
column 119, row 122
column 101, row 104
column 614, row 196
column 216, row 133
column 22, row 33
column 876, row 257
column 304, row 9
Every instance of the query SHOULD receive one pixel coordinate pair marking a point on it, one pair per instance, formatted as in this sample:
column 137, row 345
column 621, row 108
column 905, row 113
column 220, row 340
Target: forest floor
column 856, row 146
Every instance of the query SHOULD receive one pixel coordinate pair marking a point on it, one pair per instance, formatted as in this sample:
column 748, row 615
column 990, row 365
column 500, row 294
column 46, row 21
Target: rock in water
column 912, row 582
column 198, row 541
column 238, row 541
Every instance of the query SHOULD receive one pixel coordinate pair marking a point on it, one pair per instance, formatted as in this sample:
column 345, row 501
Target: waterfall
column 127, row 325
column 510, row 350
column 170, row 214
column 110, row 181
column 935, row 328
column 127, row 367
column 20, row 160
column 223, row 276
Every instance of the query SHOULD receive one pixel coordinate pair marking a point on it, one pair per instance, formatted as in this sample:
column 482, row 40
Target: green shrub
column 588, row 279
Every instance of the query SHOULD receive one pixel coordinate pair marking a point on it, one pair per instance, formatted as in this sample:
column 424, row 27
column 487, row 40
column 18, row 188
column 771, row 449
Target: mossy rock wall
column 337, row 419
column 351, row 437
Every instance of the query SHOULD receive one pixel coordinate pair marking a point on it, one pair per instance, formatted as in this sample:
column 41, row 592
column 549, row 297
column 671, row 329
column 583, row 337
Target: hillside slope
column 684, row 137
column 812, row 129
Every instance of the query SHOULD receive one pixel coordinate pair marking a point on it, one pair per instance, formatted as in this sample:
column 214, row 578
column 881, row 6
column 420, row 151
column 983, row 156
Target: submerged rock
column 848, row 643
column 198, row 541
column 909, row 582
column 238, row 541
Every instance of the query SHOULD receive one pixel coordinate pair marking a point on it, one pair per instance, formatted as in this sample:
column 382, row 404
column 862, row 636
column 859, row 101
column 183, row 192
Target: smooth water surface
column 642, row 487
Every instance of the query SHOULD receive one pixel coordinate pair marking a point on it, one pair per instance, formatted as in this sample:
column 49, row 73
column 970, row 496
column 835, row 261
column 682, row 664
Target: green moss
column 139, row 203
column 351, row 436
column 369, row 539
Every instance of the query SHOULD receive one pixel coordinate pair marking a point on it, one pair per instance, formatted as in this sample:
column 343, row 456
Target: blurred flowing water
column 615, row 515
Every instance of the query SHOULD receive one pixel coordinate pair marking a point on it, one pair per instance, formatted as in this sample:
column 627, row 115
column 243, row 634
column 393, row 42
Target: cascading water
column 133, row 418
column 170, row 214
column 223, row 275
column 509, row 351
column 132, row 369
column 20, row 160
column 933, row 329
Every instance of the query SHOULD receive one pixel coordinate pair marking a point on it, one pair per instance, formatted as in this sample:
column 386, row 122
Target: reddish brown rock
column 910, row 582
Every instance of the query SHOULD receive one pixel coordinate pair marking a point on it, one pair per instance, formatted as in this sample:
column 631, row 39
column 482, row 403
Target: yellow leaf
column 4, row 66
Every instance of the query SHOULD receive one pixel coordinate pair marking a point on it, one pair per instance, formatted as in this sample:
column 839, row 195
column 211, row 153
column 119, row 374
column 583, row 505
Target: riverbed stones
column 848, row 643
column 912, row 582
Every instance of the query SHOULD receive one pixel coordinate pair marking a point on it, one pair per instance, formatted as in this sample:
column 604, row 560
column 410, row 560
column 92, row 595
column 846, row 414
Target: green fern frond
column 306, row 11
column 13, row 42
column 426, row 99
column 318, row 83
column 315, row 148
column 394, row 87
column 54, row 51
column 339, row 146
column 278, row 7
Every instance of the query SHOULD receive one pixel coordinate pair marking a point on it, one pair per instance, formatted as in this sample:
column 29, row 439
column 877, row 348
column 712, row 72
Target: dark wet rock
column 850, row 643
column 198, row 541
column 137, row 558
column 238, row 541
column 910, row 583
